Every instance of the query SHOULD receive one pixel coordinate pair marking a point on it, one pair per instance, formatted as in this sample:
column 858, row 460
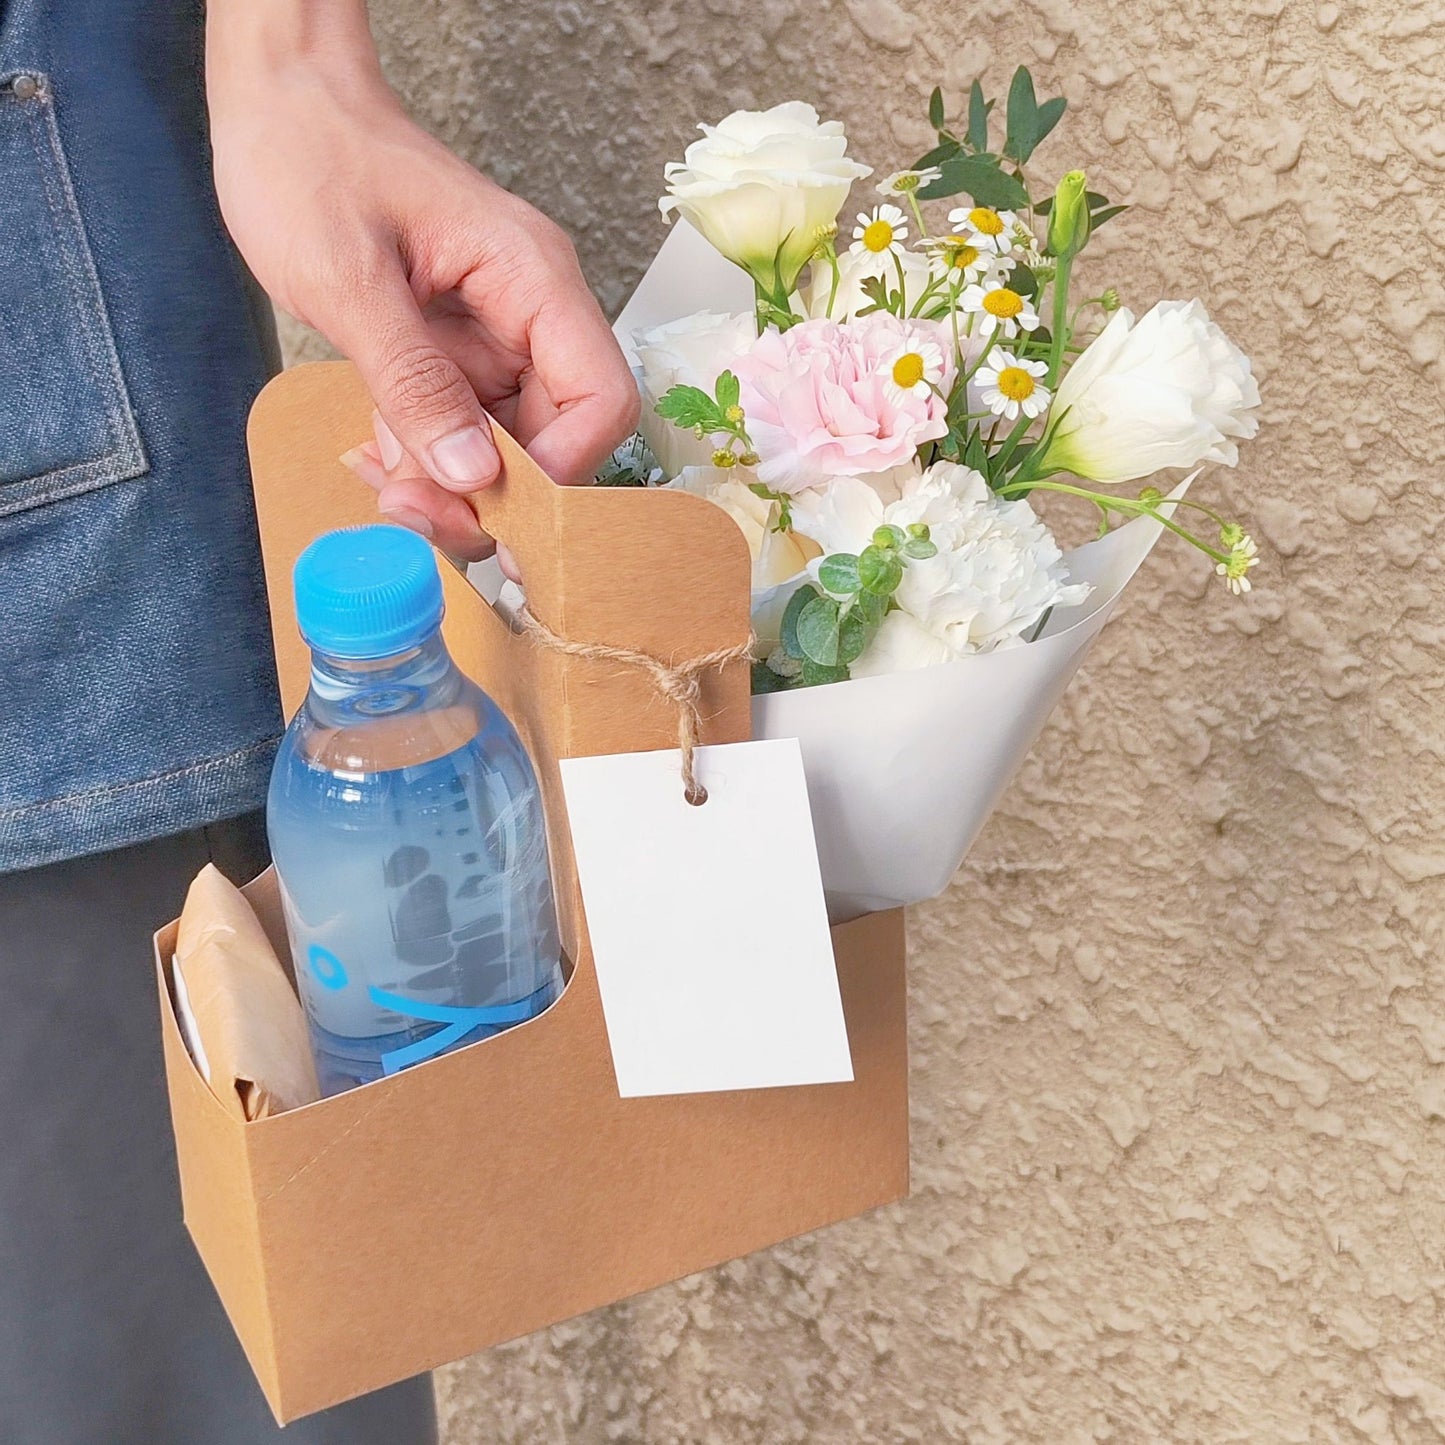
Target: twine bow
column 680, row 684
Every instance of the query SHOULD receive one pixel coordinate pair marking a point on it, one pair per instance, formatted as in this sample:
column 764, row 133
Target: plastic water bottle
column 406, row 825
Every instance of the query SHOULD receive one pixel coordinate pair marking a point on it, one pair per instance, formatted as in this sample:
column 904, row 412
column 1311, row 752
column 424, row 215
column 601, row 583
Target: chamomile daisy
column 1009, row 385
column 960, row 260
column 914, row 370
column 880, row 234
column 999, row 308
column 988, row 230
column 1243, row 555
column 903, row 183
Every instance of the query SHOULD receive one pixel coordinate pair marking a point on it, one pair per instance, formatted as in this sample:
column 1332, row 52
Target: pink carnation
column 819, row 403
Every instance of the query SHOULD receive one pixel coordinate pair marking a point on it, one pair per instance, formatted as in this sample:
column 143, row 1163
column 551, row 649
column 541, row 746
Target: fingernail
column 406, row 517
column 363, row 462
column 391, row 449
column 466, row 458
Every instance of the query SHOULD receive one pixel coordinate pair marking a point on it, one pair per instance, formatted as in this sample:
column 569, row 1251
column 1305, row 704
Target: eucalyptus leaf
column 919, row 550
column 879, row 572
column 1022, row 117
column 980, row 178
column 789, row 630
column 853, row 636
column 839, row 574
column 935, row 108
column 765, row 680
column 814, row 675
column 1049, row 114
column 978, row 109
column 818, row 631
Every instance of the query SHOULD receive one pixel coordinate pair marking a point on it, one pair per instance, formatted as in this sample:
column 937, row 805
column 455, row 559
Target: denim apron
column 137, row 693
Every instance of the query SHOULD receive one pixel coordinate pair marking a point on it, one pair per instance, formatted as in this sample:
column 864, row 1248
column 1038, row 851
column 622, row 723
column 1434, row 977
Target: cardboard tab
column 709, row 932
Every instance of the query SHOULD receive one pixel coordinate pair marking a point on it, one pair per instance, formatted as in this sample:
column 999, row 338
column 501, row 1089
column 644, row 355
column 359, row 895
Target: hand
column 452, row 297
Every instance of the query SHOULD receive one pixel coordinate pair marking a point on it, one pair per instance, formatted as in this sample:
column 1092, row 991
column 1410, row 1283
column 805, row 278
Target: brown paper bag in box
column 240, row 1016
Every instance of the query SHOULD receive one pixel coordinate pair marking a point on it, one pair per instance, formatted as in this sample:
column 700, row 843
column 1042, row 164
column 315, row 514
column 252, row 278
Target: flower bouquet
column 878, row 417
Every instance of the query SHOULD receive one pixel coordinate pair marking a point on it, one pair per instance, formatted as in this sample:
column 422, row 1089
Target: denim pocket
column 66, row 424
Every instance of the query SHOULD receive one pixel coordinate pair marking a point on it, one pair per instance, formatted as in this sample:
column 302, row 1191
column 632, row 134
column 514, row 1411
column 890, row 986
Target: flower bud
column 1109, row 301
column 724, row 458
column 1069, row 217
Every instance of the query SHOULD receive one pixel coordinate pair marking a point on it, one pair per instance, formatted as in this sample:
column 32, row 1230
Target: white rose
column 780, row 559
column 854, row 267
column 691, row 351
column 996, row 572
column 1173, row 391
column 762, row 186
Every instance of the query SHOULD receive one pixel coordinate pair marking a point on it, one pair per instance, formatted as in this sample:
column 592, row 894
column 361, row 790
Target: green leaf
column 879, row 572
column 839, row 574
column 1048, row 115
column 689, row 406
column 980, row 178
column 919, row 550
column 818, row 632
column 978, row 109
column 870, row 607
column 814, row 675
column 765, row 680
column 1023, row 280
column 728, row 390
column 943, row 151
column 1098, row 218
column 789, row 630
column 853, row 636
column 889, row 537
column 1022, row 117
column 935, row 108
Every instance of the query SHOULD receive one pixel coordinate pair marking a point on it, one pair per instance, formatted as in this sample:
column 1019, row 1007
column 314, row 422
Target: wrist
column 253, row 46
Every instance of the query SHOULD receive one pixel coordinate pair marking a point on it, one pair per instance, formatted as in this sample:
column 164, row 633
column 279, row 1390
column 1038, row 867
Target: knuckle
column 422, row 381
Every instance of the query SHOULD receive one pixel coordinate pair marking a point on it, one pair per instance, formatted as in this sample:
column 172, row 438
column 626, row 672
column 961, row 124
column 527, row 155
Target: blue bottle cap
column 367, row 592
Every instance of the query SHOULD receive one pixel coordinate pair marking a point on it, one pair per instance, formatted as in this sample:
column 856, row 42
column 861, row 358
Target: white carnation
column 996, row 572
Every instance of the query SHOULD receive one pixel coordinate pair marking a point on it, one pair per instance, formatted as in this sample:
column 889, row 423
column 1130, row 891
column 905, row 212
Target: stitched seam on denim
column 63, row 482
column 109, row 790
column 97, row 326
column 126, row 459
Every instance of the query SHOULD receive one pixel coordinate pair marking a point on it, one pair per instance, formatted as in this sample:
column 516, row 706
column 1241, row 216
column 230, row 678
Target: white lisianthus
column 996, row 572
column 780, row 559
column 691, row 351
column 854, row 267
column 1171, row 391
column 764, row 186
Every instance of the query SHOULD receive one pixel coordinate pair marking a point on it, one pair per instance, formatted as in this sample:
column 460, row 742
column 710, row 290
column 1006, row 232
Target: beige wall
column 1179, row 1025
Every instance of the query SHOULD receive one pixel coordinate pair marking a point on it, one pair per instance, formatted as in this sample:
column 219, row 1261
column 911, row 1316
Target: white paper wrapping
column 902, row 770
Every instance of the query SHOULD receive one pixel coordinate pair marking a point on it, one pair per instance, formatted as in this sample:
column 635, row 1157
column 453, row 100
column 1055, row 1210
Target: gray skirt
column 110, row 1333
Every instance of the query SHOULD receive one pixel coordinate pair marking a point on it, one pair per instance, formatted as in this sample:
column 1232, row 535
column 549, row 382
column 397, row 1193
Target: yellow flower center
column 877, row 236
column 962, row 256
column 1015, row 383
column 1003, row 303
column 985, row 221
column 908, row 370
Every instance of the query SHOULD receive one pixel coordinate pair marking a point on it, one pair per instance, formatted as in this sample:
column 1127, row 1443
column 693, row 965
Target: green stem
column 1061, row 319
column 1129, row 506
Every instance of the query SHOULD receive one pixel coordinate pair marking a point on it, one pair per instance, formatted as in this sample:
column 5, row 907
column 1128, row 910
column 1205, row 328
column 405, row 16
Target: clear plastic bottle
column 405, row 823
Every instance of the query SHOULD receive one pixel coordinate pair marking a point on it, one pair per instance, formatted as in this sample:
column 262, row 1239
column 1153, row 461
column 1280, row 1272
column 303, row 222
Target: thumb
column 421, row 393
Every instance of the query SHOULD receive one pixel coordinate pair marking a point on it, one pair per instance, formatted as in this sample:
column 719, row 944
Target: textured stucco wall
column 1179, row 1025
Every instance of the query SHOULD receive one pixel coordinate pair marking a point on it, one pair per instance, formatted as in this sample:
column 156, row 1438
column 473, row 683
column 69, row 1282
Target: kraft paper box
column 504, row 1187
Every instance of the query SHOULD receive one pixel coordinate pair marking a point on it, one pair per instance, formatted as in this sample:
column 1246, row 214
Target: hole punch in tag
column 708, row 925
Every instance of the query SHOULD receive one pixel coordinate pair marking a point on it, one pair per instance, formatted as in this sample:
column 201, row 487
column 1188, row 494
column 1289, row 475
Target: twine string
column 680, row 684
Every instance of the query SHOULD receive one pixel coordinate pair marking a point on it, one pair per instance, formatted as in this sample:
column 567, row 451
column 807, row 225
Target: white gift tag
column 708, row 925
